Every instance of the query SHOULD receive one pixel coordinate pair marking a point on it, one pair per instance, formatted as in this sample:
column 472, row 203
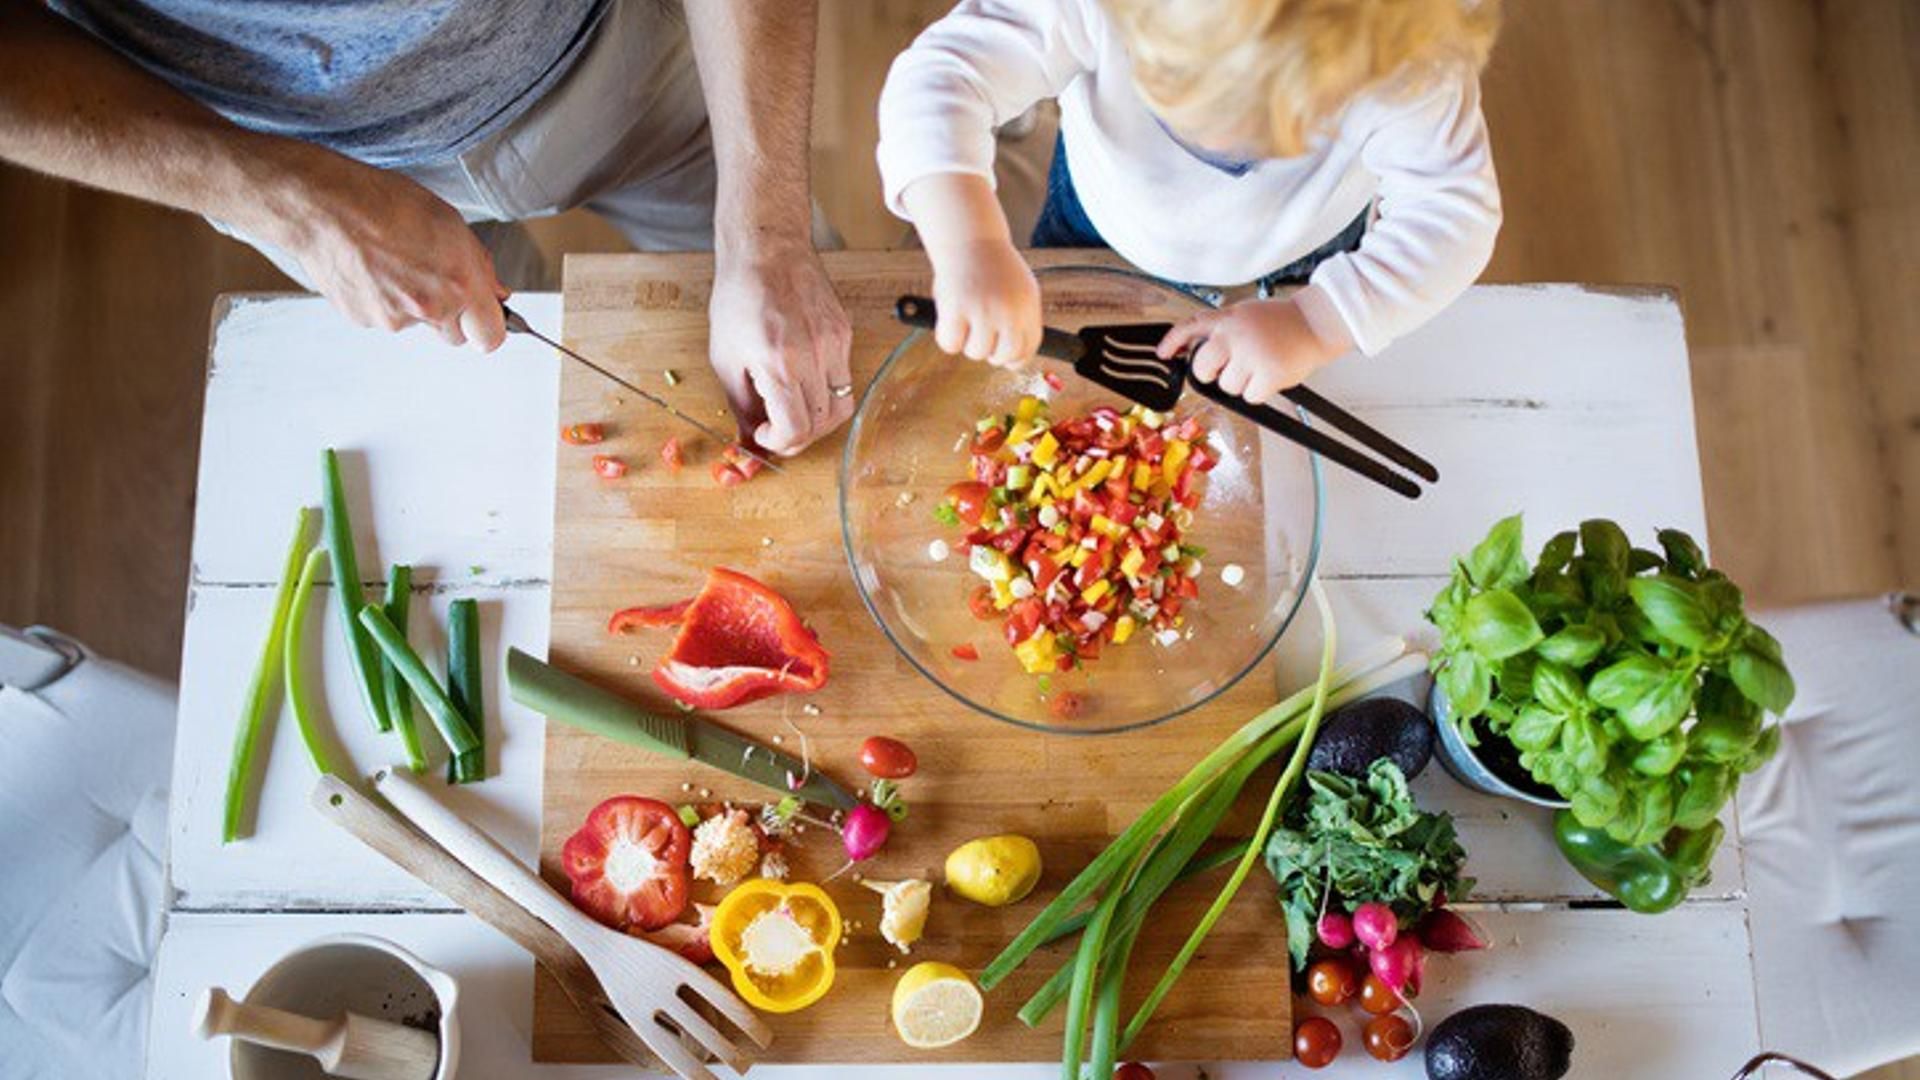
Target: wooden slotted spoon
column 643, row 980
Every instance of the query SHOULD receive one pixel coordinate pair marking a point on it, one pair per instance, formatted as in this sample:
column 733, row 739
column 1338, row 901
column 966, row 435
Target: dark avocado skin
column 1499, row 1042
column 1351, row 738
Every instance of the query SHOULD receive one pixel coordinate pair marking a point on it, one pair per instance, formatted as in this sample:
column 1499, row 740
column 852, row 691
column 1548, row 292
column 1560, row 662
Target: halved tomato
column 969, row 499
column 628, row 863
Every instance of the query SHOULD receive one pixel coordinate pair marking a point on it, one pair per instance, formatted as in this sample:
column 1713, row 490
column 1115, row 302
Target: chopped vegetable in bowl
column 1078, row 528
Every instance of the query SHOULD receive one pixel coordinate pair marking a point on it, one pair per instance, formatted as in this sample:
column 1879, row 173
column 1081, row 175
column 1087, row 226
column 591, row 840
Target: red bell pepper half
column 739, row 641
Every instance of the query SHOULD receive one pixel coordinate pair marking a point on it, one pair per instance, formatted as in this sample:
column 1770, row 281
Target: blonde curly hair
column 1265, row 76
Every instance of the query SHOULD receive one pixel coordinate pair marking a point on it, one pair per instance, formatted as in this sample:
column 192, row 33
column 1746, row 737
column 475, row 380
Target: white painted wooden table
column 1562, row 402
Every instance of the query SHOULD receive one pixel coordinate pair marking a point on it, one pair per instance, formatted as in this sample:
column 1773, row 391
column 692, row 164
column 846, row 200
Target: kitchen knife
column 577, row 703
column 1123, row 358
column 518, row 325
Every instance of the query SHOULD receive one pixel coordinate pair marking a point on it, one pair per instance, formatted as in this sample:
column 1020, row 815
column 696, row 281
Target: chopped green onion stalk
column 346, row 590
column 254, row 708
column 463, row 687
column 452, row 725
column 296, row 672
column 399, row 702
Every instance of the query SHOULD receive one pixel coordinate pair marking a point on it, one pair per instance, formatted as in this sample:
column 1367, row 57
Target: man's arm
column 382, row 248
column 779, row 335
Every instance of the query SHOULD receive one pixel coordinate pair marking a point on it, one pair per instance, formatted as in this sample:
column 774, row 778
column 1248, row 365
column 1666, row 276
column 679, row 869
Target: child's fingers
column 1234, row 378
column 1186, row 332
column 950, row 332
column 1264, row 385
column 1209, row 359
column 1009, row 350
column 980, row 339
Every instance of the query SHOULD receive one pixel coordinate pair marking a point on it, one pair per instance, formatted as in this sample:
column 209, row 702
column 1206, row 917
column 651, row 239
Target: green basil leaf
column 1557, row 687
column 1758, row 640
column 1684, row 557
column 1671, row 606
column 1498, row 562
column 1728, row 723
column 1597, row 800
column 1620, row 684
column 1659, row 756
column 1706, row 791
column 1624, row 826
column 1574, row 646
column 1468, row 683
column 1556, row 593
column 1763, row 680
column 1498, row 625
column 1767, row 745
column 1656, row 814
column 1558, row 551
column 1659, row 711
column 1606, row 543
column 1582, row 745
column 1640, row 560
column 1535, row 728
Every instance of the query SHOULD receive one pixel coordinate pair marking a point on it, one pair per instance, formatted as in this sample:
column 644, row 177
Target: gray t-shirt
column 390, row 82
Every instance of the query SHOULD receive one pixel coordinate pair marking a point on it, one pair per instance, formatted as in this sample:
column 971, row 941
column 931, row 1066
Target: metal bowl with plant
column 1628, row 680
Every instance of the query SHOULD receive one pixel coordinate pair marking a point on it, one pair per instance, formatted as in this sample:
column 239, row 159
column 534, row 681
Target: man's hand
column 389, row 253
column 779, row 344
column 1255, row 348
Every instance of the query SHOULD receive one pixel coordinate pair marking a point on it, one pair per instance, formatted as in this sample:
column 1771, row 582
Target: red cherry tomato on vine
column 1388, row 1037
column 1332, row 981
column 1316, row 1042
column 1377, row 997
column 889, row 759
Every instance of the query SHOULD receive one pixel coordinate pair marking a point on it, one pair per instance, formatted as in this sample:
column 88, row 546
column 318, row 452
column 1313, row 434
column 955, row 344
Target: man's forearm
column 756, row 69
column 72, row 108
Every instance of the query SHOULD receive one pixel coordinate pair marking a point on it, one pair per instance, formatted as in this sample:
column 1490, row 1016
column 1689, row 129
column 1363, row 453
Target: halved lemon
column 935, row 1005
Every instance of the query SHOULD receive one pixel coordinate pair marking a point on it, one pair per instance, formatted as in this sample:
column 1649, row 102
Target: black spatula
column 1122, row 358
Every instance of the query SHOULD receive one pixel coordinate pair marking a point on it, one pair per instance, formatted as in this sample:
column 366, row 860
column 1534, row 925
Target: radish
column 1399, row 964
column 1335, row 930
column 1375, row 925
column 865, row 831
column 1444, row 931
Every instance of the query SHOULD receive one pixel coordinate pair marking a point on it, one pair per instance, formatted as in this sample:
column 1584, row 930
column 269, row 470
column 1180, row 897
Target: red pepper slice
column 739, row 641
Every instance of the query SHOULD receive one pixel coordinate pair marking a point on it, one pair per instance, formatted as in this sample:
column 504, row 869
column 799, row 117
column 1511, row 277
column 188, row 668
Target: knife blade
column 516, row 324
column 577, row 703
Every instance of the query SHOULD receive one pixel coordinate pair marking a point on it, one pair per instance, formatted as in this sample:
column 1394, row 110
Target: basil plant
column 1628, row 680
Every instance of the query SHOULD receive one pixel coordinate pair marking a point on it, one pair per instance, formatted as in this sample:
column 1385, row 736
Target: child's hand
column 1254, row 349
column 988, row 300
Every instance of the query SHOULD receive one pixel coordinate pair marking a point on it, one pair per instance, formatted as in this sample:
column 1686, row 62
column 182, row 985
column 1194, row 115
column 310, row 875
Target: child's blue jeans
column 1064, row 223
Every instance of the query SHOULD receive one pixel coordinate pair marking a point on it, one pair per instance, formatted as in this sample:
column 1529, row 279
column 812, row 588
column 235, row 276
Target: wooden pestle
column 351, row 1046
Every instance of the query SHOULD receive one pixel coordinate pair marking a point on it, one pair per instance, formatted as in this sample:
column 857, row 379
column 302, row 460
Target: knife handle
column 576, row 702
column 919, row 312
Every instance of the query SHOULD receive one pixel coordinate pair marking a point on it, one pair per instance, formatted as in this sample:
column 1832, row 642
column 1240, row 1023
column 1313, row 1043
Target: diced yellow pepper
column 1134, row 560
column 1119, row 468
column 1046, row 451
column 1178, row 450
column 1022, row 431
column 1039, row 492
column 1095, row 475
column 1103, row 524
column 1092, row 593
column 990, row 563
column 1028, row 408
column 1142, row 476
column 1123, row 629
column 1002, row 595
column 1079, row 556
column 1037, row 653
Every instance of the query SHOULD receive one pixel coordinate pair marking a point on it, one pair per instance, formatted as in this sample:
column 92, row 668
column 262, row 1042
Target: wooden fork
column 643, row 980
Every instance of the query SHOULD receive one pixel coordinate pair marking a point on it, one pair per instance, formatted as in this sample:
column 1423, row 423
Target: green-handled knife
column 577, row 703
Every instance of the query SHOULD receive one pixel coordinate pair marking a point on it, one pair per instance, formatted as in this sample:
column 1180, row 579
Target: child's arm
column 978, row 67
column 1439, row 204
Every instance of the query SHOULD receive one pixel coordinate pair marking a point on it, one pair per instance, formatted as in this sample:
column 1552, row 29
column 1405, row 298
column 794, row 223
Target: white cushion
column 83, row 782
column 1832, row 840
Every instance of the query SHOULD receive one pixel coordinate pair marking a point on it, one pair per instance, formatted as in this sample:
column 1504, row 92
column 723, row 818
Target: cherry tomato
column 989, row 440
column 980, row 602
column 1023, row 618
column 889, row 759
column 737, row 456
column 965, row 651
column 610, row 467
column 670, row 453
column 583, row 434
column 1133, row 1070
column 969, row 500
column 1066, row 705
column 1316, row 1042
column 1332, row 981
column 1388, row 1037
column 1377, row 997
column 727, row 475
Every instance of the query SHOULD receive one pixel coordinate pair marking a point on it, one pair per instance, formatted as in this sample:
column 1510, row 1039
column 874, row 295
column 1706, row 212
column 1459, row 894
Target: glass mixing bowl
column 1260, row 510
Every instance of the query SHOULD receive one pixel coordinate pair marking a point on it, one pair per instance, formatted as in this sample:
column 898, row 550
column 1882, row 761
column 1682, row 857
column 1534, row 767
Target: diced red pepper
column 610, row 468
column 966, row 651
column 727, row 475
column 1053, row 382
column 583, row 434
column 670, row 453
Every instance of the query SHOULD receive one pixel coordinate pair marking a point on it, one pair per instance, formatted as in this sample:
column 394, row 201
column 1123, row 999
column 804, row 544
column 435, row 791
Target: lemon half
column 935, row 1005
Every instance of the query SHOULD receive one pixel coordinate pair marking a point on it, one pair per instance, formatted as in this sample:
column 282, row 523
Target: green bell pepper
column 1647, row 878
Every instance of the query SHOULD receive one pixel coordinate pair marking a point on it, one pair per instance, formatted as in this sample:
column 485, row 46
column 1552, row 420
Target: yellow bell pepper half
column 777, row 940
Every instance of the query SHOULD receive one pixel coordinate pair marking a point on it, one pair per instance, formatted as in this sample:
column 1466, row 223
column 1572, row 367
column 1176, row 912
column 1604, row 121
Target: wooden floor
column 1762, row 156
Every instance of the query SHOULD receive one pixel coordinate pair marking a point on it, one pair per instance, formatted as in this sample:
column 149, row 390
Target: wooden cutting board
column 650, row 537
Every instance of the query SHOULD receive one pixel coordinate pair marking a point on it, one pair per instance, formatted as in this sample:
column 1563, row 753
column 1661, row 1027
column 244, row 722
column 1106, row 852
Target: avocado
column 1354, row 736
column 1499, row 1042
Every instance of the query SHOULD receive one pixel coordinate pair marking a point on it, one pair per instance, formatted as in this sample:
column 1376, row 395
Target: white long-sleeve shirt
column 1422, row 157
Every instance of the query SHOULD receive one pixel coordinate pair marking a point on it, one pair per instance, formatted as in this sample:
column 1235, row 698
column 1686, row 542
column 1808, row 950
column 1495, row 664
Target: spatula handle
column 919, row 312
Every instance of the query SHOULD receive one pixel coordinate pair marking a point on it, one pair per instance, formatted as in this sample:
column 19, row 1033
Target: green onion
column 399, row 704
column 453, row 726
column 689, row 816
column 945, row 514
column 296, row 647
column 346, row 590
column 463, row 688
column 253, row 712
